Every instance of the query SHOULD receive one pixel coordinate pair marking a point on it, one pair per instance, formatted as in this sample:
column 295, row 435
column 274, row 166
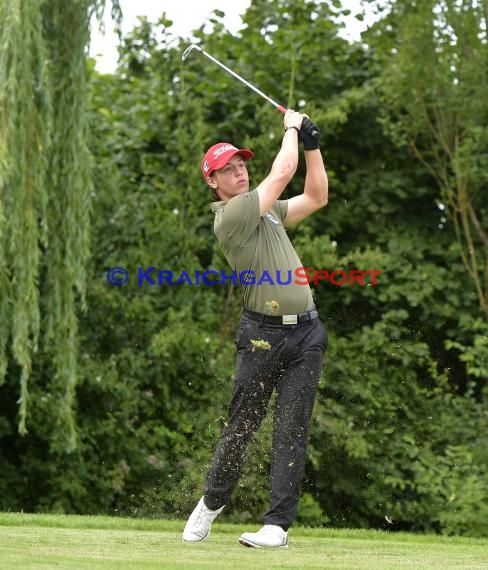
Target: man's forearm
column 316, row 181
column 284, row 165
column 286, row 161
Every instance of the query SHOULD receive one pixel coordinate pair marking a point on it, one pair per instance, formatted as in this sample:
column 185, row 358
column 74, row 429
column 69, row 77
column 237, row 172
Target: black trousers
column 288, row 359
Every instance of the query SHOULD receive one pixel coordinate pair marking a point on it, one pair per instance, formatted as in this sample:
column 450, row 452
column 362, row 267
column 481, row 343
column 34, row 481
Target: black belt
column 282, row 319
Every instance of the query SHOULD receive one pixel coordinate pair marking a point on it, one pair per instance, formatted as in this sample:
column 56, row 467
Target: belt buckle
column 290, row 319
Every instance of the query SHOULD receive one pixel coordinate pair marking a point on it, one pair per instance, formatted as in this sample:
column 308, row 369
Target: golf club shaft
column 250, row 85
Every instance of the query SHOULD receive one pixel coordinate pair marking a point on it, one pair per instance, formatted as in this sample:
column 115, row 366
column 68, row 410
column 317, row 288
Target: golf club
column 225, row 68
column 192, row 47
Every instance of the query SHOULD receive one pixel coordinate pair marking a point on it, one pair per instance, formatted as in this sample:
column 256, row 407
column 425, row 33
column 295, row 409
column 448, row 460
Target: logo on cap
column 223, row 149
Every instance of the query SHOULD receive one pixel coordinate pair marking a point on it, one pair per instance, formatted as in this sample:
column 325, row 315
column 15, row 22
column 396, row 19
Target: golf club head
column 188, row 50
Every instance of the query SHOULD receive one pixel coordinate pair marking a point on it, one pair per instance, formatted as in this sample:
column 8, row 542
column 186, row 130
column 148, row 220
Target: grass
column 67, row 542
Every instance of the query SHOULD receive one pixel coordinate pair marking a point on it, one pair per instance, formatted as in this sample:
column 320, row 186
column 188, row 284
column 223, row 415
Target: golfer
column 280, row 340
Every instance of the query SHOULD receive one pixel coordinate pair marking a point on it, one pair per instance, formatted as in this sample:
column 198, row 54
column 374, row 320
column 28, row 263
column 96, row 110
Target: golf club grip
column 314, row 134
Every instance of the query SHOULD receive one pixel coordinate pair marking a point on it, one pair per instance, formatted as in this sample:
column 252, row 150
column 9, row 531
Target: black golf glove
column 309, row 135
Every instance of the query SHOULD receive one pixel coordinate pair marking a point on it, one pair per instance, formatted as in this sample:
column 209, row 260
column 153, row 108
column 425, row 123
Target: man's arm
column 316, row 188
column 315, row 192
column 284, row 165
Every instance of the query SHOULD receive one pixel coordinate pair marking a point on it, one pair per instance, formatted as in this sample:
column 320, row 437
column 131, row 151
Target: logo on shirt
column 272, row 218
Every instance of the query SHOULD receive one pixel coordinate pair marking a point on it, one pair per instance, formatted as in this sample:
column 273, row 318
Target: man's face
column 230, row 180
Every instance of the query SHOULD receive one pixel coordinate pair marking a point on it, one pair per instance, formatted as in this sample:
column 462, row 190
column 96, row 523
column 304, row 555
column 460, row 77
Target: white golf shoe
column 199, row 523
column 270, row 536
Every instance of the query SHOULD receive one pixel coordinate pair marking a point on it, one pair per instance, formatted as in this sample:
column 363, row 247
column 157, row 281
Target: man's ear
column 211, row 182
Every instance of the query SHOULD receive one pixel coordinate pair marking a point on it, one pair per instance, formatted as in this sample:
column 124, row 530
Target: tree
column 434, row 87
column 45, row 188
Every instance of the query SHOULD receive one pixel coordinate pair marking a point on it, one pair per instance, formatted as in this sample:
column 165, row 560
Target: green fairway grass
column 67, row 542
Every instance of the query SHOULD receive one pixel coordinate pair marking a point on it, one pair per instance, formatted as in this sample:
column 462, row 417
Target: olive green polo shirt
column 257, row 247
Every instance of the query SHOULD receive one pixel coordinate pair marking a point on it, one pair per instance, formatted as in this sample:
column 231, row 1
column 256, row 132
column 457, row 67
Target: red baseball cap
column 219, row 155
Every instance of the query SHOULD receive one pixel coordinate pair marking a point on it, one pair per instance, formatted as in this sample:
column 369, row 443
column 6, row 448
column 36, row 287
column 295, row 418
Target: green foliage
column 402, row 410
column 437, row 109
column 45, row 187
